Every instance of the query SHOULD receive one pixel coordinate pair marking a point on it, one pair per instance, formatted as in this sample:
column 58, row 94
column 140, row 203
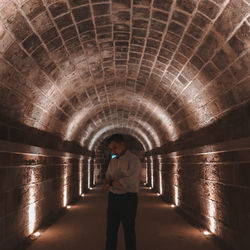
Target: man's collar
column 123, row 153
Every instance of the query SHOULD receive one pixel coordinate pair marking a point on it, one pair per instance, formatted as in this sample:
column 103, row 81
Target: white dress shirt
column 127, row 170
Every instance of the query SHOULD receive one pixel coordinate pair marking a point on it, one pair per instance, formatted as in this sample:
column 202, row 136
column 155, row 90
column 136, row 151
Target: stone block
column 187, row 6
column 239, row 68
column 101, row 9
column 142, row 2
column 176, row 28
column 58, row 8
column 164, row 5
column 33, row 8
column 241, row 8
column 155, row 35
column 181, row 17
column 64, row 21
column 31, row 43
column 208, row 8
column 76, row 3
column 158, row 26
column 16, row 22
column 190, row 41
column 85, row 26
column 221, row 60
column 69, row 33
column 162, row 16
column 140, row 13
column 208, row 47
column 200, row 20
column 195, row 31
column 210, row 72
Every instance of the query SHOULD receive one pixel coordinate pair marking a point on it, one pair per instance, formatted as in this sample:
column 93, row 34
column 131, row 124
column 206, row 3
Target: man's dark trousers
column 121, row 208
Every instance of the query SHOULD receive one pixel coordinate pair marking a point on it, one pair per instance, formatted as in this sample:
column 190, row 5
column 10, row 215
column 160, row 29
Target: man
column 122, row 182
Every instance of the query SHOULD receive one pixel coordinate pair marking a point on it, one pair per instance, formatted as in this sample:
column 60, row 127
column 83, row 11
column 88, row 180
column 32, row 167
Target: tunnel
column 172, row 76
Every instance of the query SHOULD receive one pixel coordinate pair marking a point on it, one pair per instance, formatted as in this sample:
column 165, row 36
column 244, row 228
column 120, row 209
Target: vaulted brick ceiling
column 152, row 68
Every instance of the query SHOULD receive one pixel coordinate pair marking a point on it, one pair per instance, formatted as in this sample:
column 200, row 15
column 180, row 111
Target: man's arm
column 106, row 185
column 107, row 181
column 132, row 175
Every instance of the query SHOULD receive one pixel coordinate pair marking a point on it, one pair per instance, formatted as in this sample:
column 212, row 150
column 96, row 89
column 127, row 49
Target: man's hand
column 116, row 184
column 105, row 187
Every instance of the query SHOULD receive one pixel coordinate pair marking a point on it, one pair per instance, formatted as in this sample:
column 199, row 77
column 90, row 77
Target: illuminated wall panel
column 211, row 185
column 38, row 183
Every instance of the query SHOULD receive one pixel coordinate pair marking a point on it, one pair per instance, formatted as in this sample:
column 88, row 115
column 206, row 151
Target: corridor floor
column 158, row 227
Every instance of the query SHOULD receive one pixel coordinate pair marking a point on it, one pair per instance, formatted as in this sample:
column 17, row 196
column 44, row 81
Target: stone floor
column 158, row 227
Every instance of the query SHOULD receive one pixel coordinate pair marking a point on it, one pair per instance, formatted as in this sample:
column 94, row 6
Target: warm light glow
column 107, row 128
column 160, row 174
column 32, row 206
column 211, row 203
column 176, row 195
column 65, row 187
column 89, row 160
column 80, row 175
column 212, row 214
column 68, row 206
column 152, row 171
column 36, row 234
column 82, row 195
column 90, row 188
column 172, row 205
column 206, row 233
column 158, row 194
column 152, row 107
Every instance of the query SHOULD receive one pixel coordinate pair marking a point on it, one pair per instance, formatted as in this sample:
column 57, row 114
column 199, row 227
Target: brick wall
column 35, row 184
column 206, row 174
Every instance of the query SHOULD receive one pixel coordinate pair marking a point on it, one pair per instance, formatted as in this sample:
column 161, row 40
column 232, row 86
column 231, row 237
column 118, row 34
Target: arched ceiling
column 155, row 68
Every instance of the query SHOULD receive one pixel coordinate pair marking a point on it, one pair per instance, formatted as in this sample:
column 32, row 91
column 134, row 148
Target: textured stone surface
column 73, row 72
column 208, row 184
column 79, row 47
column 35, row 177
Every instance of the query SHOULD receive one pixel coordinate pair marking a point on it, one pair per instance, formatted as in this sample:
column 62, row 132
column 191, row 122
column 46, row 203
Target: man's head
column 116, row 144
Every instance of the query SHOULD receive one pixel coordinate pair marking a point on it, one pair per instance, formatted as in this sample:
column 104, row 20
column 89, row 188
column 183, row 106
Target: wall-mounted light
column 90, row 188
column 68, row 207
column 158, row 194
column 173, row 206
column 82, row 195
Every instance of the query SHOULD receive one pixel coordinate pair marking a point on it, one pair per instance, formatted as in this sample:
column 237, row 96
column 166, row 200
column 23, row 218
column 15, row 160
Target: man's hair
column 116, row 138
